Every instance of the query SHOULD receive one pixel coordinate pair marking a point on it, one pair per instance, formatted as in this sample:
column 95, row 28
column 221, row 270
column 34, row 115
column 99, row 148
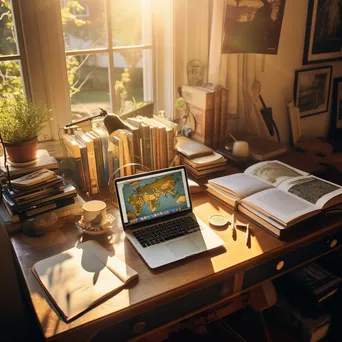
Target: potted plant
column 20, row 123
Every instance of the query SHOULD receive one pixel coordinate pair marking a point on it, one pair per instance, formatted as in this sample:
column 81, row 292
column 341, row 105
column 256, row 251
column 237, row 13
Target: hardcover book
column 276, row 195
column 201, row 102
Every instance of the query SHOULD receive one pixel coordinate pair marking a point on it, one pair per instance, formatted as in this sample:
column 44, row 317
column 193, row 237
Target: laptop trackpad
column 182, row 248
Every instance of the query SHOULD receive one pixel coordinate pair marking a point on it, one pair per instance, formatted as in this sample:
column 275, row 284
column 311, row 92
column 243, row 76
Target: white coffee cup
column 94, row 213
column 240, row 149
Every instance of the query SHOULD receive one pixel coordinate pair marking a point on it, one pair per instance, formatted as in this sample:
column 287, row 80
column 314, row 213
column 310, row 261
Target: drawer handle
column 139, row 327
column 280, row 265
column 333, row 243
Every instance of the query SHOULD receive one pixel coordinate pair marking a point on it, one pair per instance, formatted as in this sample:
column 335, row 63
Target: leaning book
column 275, row 195
column 81, row 277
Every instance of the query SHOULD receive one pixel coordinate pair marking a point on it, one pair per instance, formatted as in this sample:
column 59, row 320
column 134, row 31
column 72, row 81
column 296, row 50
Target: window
column 11, row 70
column 108, row 54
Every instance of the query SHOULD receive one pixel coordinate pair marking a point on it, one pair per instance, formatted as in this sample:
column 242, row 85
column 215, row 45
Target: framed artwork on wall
column 323, row 37
column 336, row 107
column 312, row 90
column 252, row 26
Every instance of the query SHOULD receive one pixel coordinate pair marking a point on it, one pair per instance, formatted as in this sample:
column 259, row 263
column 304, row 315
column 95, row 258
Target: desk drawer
column 168, row 312
column 291, row 259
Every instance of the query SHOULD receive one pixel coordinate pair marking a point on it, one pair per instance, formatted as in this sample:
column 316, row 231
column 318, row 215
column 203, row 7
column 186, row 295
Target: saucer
column 26, row 164
column 97, row 230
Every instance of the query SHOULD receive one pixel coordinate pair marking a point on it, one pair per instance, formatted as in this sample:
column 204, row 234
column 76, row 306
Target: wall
column 279, row 71
column 277, row 78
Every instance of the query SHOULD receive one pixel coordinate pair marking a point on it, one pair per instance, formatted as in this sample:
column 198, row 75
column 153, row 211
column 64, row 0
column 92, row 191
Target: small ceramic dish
column 99, row 230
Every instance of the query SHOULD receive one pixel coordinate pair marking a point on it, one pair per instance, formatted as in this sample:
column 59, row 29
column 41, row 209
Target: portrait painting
column 323, row 38
column 252, row 26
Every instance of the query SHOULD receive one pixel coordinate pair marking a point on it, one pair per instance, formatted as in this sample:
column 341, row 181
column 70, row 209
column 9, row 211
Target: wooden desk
column 166, row 295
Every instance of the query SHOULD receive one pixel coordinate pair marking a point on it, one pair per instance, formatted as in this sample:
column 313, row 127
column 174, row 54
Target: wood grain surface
column 153, row 287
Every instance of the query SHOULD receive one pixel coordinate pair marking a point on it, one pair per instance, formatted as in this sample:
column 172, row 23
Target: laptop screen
column 152, row 196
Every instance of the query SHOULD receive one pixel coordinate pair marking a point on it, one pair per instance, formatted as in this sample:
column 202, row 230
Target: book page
column 75, row 279
column 274, row 172
column 312, row 189
column 240, row 185
column 281, row 206
column 118, row 267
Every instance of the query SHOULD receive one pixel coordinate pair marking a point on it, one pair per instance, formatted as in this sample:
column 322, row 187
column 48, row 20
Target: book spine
column 158, row 150
column 71, row 145
column 92, row 168
column 57, row 204
column 100, row 164
column 154, row 154
column 170, row 146
column 104, row 142
column 217, row 118
column 146, row 145
column 223, row 119
column 115, row 155
column 163, row 148
column 80, row 179
column 85, row 167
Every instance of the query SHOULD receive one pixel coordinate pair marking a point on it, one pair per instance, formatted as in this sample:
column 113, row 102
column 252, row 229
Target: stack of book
column 209, row 107
column 275, row 195
column 99, row 156
column 36, row 193
column 199, row 159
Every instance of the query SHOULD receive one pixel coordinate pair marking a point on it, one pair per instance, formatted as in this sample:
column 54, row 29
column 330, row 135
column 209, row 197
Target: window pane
column 84, row 24
column 8, row 39
column 130, row 26
column 88, row 84
column 11, row 84
column 128, row 78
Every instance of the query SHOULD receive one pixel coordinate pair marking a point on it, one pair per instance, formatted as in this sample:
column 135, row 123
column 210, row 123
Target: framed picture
column 252, row 26
column 312, row 90
column 336, row 108
column 323, row 37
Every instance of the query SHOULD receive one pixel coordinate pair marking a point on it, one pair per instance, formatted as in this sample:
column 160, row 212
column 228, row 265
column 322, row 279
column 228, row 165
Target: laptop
column 157, row 217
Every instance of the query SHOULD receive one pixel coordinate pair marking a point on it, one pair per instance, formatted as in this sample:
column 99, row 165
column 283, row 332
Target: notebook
column 80, row 277
column 157, row 217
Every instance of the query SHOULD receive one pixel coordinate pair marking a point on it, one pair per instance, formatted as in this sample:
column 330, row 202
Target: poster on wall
column 323, row 37
column 252, row 26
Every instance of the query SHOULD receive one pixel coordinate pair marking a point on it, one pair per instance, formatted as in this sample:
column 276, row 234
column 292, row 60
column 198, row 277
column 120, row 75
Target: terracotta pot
column 22, row 152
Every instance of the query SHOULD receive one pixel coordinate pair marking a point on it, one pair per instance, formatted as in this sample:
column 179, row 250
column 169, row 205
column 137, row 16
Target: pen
column 247, row 234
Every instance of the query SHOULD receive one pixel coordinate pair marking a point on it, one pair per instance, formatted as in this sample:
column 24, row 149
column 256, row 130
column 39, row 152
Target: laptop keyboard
column 165, row 231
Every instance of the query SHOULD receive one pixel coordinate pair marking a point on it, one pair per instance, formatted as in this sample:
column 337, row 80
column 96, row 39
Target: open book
column 276, row 195
column 80, row 277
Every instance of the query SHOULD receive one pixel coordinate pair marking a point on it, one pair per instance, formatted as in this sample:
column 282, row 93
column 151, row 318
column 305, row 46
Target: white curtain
column 237, row 72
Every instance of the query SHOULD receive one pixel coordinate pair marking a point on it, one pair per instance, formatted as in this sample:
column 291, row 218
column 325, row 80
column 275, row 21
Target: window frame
column 110, row 51
column 20, row 55
column 43, row 57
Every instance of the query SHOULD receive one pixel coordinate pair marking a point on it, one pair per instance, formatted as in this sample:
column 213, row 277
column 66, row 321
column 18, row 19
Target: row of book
column 209, row 107
column 99, row 157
